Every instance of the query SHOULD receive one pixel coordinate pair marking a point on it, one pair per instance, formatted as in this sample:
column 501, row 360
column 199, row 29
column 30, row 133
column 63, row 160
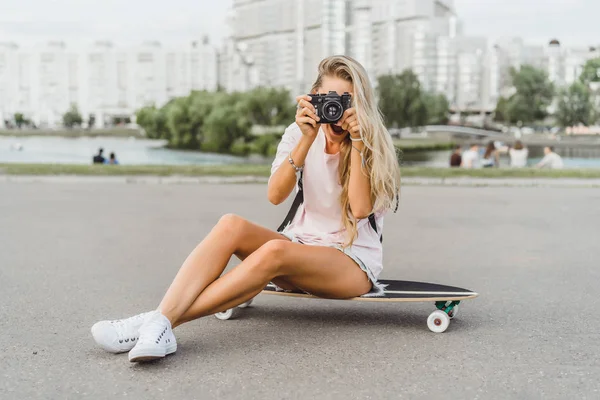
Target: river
column 131, row 151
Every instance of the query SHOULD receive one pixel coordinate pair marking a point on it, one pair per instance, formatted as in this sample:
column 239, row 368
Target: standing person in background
column 456, row 158
column 551, row 159
column 470, row 158
column 518, row 155
column 491, row 158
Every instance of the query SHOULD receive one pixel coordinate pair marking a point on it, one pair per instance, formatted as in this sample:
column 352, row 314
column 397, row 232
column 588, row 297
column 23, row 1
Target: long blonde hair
column 381, row 162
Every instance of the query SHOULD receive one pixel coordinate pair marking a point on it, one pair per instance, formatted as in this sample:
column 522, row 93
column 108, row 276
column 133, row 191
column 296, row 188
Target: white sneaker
column 156, row 339
column 119, row 336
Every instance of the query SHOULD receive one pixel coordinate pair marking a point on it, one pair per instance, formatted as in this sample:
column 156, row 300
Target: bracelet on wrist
column 297, row 168
column 358, row 139
column 362, row 157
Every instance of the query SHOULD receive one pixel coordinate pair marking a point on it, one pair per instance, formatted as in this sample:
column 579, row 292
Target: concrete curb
column 146, row 179
column 504, row 182
column 408, row 181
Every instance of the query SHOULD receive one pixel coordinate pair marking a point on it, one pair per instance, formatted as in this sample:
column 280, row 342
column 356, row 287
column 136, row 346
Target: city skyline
column 35, row 21
column 268, row 43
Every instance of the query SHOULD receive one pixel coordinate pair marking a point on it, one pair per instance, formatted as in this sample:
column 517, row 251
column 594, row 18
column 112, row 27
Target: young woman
column 491, row 157
column 330, row 249
column 518, row 155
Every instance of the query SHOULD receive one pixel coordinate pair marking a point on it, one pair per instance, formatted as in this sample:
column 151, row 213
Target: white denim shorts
column 377, row 289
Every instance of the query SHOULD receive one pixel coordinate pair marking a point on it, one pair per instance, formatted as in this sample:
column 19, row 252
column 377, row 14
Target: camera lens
column 332, row 110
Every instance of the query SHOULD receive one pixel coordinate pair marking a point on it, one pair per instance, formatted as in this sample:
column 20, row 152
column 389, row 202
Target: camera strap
column 295, row 205
column 299, row 199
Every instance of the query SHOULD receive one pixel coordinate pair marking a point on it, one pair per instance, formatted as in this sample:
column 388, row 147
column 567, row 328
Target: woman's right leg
column 232, row 235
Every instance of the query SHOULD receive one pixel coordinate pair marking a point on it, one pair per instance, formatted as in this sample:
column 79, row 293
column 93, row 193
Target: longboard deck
column 399, row 291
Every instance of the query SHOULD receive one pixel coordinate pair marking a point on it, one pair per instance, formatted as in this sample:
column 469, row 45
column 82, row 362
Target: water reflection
column 129, row 151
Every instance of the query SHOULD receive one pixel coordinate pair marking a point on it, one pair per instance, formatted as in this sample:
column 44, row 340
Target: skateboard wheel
column 438, row 321
column 246, row 304
column 452, row 314
column 227, row 314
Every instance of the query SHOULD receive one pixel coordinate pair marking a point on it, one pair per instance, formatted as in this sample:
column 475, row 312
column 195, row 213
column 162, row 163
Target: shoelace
column 153, row 332
column 123, row 327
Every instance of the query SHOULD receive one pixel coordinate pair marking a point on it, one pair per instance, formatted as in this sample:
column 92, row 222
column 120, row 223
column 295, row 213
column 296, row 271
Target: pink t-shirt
column 319, row 219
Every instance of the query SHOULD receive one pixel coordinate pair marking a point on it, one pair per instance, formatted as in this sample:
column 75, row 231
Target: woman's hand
column 349, row 122
column 306, row 117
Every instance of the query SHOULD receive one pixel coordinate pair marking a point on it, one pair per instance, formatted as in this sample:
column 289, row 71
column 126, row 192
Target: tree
column 20, row 120
column 214, row 120
column 437, row 107
column 144, row 117
column 534, row 94
column 269, row 106
column 590, row 76
column 591, row 71
column 153, row 121
column 184, row 133
column 227, row 123
column 72, row 117
column 202, row 104
column 575, row 106
column 501, row 112
column 518, row 109
column 400, row 100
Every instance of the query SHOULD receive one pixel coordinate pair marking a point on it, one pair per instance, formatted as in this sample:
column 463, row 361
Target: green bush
column 240, row 148
column 215, row 121
column 209, row 147
column 265, row 144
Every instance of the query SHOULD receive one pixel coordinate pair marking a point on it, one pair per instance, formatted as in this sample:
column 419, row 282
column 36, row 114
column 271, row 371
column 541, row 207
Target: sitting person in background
column 456, row 158
column 551, row 159
column 491, row 158
column 99, row 158
column 518, row 155
column 112, row 160
column 470, row 158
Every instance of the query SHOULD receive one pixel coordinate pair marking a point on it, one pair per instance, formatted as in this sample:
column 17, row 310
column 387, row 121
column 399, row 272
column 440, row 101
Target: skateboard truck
column 449, row 307
column 445, row 298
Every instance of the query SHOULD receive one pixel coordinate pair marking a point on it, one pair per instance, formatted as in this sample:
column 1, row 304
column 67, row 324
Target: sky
column 573, row 22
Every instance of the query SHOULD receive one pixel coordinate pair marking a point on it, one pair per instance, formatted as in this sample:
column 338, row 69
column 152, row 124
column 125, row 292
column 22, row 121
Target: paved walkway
column 73, row 254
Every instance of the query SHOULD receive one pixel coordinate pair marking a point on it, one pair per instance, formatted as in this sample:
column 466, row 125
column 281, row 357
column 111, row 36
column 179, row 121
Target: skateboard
column 446, row 299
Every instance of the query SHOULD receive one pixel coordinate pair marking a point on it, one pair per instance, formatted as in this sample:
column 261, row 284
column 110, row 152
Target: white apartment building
column 574, row 59
column 406, row 35
column 277, row 43
column 280, row 43
column 10, row 76
column 563, row 65
column 102, row 79
column 471, row 85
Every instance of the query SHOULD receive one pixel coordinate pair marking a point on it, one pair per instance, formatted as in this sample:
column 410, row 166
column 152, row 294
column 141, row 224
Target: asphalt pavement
column 74, row 253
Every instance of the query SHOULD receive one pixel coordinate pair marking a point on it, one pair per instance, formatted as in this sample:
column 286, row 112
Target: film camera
column 330, row 107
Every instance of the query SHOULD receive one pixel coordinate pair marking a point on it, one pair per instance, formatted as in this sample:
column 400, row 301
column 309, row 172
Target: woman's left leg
column 322, row 271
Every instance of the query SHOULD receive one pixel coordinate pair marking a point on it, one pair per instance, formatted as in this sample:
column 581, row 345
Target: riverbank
column 74, row 146
column 262, row 170
column 425, row 144
column 73, row 133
